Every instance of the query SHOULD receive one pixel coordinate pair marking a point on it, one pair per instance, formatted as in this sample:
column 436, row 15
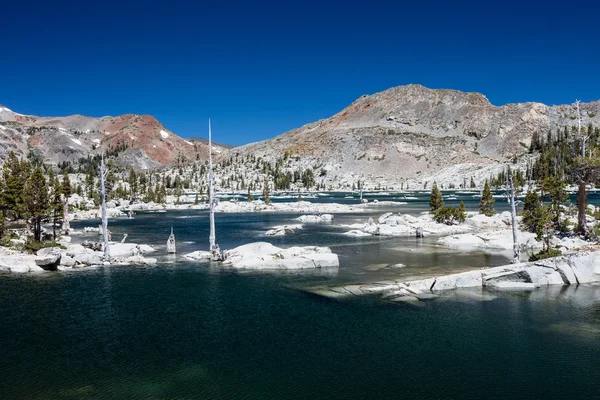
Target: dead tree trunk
column 510, row 188
column 582, row 228
column 103, row 174
column 66, row 226
column 213, row 246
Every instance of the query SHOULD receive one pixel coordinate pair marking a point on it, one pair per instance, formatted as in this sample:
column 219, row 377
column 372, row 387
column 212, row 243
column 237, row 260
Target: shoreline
column 574, row 269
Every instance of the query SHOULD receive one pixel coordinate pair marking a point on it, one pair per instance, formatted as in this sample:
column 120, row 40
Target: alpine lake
column 190, row 330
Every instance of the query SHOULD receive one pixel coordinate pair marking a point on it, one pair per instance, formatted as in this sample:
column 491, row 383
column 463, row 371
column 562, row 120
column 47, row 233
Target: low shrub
column 33, row 246
column 545, row 254
column 450, row 215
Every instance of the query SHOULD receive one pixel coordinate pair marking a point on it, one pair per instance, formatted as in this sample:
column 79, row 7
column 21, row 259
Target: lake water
column 182, row 330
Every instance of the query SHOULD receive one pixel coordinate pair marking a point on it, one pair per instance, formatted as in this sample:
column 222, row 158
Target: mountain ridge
column 415, row 133
column 147, row 143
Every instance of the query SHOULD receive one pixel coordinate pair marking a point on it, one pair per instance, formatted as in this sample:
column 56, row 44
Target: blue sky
column 259, row 69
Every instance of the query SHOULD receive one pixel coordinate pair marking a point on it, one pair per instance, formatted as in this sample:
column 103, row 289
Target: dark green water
column 180, row 330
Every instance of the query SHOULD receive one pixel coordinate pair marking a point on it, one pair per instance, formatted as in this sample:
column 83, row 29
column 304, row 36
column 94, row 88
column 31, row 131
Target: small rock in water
column 48, row 258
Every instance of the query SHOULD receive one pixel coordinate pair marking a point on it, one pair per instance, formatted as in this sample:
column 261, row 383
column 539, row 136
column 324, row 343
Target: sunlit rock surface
column 265, row 256
column 572, row 269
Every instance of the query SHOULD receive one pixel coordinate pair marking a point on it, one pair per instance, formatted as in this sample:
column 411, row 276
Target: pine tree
column 15, row 174
column 266, row 195
column 56, row 204
column 2, row 217
column 586, row 170
column 133, row 183
column 531, row 212
column 90, row 188
column 2, row 222
column 554, row 188
column 461, row 214
column 486, row 205
column 66, row 189
column 36, row 202
column 435, row 200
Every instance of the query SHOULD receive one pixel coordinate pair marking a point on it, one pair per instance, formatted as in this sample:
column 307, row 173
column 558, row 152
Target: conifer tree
column 586, row 170
column 56, row 204
column 89, row 183
column 133, row 183
column 531, row 212
column 486, row 205
column 435, row 200
column 461, row 214
column 2, row 218
column 15, row 174
column 36, row 202
column 66, row 189
column 554, row 188
column 266, row 195
column 2, row 222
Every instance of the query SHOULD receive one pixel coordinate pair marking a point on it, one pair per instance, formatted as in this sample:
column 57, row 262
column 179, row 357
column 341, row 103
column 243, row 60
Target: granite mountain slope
column 415, row 134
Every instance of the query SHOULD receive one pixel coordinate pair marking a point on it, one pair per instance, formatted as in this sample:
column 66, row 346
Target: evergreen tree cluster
column 26, row 194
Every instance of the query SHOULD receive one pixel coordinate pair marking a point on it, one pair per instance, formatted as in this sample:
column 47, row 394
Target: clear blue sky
column 260, row 69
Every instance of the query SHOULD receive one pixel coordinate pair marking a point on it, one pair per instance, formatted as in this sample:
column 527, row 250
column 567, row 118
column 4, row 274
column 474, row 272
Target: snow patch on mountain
column 164, row 134
column 77, row 141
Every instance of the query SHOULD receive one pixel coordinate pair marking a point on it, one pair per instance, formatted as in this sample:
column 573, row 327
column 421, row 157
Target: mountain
column 141, row 140
column 205, row 141
column 412, row 133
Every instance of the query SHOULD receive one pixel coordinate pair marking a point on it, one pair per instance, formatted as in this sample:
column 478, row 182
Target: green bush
column 32, row 246
column 450, row 215
column 545, row 254
column 564, row 227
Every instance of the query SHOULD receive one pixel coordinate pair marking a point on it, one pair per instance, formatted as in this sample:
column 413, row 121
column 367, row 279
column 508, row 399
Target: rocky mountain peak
column 416, row 133
column 147, row 142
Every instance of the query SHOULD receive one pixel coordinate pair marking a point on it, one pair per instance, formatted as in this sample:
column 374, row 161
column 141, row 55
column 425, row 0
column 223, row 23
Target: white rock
column 461, row 280
column 357, row 233
column 586, row 267
column 48, row 258
column 462, row 241
column 135, row 260
column 283, row 230
column 385, row 216
column 315, row 218
column 544, row 276
column 93, row 258
column 199, row 255
column 66, row 261
column 129, row 249
column 265, row 256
